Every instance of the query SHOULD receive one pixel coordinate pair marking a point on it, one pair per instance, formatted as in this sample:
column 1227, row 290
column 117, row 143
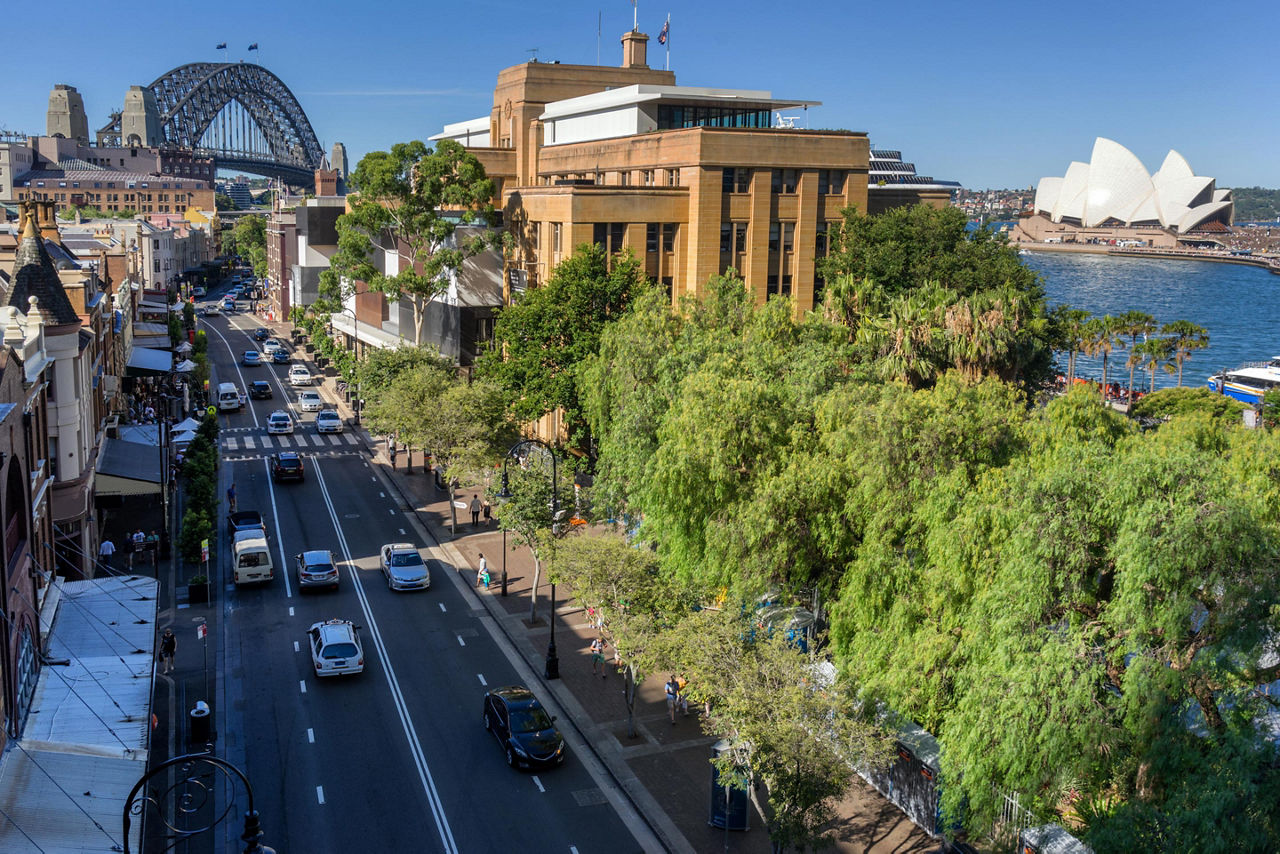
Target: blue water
column 1239, row 305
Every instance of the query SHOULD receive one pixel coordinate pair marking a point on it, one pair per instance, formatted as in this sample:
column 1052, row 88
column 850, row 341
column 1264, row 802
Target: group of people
column 135, row 544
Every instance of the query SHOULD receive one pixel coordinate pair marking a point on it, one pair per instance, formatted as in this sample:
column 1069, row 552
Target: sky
column 995, row 94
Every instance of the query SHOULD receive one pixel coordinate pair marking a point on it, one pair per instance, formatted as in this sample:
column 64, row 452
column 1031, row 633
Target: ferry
column 1249, row 381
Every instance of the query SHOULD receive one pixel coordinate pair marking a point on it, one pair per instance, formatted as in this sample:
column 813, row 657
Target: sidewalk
column 665, row 769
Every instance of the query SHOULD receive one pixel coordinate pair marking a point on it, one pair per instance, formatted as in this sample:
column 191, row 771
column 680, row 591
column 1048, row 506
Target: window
column 609, row 235
column 673, row 177
column 555, row 238
column 771, row 286
column 726, row 239
column 667, row 284
column 624, row 179
column 775, row 235
column 646, row 177
column 668, row 237
column 651, row 238
column 784, row 181
column 534, row 229
column 736, row 180
column 830, row 182
column 788, row 236
column 740, row 237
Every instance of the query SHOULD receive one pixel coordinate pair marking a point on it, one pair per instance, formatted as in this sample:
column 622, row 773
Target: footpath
column 665, row 769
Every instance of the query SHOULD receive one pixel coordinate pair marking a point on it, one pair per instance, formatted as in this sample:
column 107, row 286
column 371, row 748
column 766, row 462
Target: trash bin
column 200, row 723
column 730, row 807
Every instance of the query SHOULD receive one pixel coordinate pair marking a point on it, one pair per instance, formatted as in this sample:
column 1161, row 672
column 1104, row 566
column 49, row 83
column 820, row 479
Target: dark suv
column 260, row 390
column 524, row 729
column 286, row 465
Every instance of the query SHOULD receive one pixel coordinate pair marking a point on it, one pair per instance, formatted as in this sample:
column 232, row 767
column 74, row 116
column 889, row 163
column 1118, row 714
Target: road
column 396, row 758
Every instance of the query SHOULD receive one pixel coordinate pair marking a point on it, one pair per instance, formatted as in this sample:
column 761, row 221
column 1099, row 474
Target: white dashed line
column 461, row 642
column 442, row 608
column 372, row 478
column 290, row 610
column 573, row 849
column 401, row 531
column 538, row 783
column 302, row 686
column 382, row 495
column 320, row 794
column 480, row 676
column 392, row 511
column 296, row 648
column 311, row 735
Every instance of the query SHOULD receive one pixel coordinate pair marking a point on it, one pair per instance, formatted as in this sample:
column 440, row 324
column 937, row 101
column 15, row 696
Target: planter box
column 311, row 348
column 198, row 593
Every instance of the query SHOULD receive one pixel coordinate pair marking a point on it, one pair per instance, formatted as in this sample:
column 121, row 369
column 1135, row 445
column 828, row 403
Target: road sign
column 212, row 410
column 204, row 550
column 202, row 631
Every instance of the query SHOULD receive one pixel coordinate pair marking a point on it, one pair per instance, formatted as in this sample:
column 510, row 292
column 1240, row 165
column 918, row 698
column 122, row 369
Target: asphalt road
column 396, row 758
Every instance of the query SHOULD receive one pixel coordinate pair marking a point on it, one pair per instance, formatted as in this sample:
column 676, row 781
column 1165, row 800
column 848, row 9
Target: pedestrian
column 682, row 697
column 391, row 452
column 139, row 541
column 153, row 546
column 168, row 646
column 475, row 509
column 482, row 574
column 106, row 552
column 488, row 511
column 673, row 692
column 231, row 496
column 597, row 658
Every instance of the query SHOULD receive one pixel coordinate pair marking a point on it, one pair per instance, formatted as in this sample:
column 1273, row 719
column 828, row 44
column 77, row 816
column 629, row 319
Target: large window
column 784, row 181
column 736, row 180
column 830, row 182
column 610, row 236
column 673, row 116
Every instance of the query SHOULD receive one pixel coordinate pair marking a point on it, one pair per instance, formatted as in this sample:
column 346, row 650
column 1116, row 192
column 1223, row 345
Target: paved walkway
column 664, row 768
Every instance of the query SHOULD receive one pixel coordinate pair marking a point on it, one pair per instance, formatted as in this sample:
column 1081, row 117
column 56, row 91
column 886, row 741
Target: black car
column 261, row 334
column 280, row 357
column 523, row 728
column 260, row 390
column 286, row 465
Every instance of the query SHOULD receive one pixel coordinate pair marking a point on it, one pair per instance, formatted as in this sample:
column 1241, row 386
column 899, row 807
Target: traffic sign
column 204, row 550
column 212, row 410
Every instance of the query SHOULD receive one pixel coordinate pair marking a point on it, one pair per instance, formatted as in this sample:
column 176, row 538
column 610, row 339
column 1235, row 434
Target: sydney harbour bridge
column 240, row 114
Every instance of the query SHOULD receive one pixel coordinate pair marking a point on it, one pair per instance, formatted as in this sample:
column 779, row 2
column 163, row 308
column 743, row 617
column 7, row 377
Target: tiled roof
column 34, row 275
column 153, row 182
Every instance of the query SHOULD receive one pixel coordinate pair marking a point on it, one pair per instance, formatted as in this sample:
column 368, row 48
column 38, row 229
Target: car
column 524, row 729
column 404, row 568
column 271, row 345
column 260, row 390
column 287, row 465
column 309, row 401
column 252, row 358
column 198, row 292
column 280, row 357
column 317, row 569
column 279, row 422
column 235, row 279
column 228, row 305
column 261, row 334
column 328, row 421
column 335, row 648
column 299, row 375
column 210, row 310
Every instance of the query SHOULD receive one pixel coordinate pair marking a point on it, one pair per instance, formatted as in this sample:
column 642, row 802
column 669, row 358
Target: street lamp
column 552, row 668
column 355, row 341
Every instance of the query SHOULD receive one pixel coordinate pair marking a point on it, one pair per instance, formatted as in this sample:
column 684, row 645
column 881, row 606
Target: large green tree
column 248, row 239
column 400, row 236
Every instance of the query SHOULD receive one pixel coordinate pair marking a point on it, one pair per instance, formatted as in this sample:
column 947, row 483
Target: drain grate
column 589, row 797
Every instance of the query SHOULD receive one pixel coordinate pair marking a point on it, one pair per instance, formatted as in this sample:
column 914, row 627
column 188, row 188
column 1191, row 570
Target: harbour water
column 1238, row 305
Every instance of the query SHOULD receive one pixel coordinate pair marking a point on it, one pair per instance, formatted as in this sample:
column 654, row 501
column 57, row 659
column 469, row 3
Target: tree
column 541, row 341
column 1134, row 324
column 1175, row 402
column 380, row 367
column 1069, row 334
column 1101, row 339
column 1187, row 338
column 410, row 203
column 223, row 202
column 404, row 408
column 248, row 239
column 527, row 512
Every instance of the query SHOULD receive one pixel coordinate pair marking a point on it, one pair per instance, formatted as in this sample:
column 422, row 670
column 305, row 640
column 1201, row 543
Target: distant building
column 891, row 183
column 66, row 117
column 108, row 190
column 238, row 192
column 338, row 160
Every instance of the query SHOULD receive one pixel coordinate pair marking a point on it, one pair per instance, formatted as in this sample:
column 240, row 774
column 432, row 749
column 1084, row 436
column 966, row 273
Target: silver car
column 404, row 567
column 317, row 569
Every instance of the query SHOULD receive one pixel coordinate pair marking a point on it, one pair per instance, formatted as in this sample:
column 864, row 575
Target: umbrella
column 183, row 438
column 186, row 426
column 184, row 347
column 185, row 366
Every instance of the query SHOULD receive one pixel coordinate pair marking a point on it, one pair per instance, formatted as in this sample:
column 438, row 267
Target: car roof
column 331, row 630
column 401, row 547
column 308, row 394
column 330, row 413
column 261, row 383
column 317, row 556
column 515, row 694
column 287, row 455
column 279, row 413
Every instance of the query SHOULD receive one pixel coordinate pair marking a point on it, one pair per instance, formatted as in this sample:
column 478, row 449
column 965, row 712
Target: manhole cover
column 351, row 516
column 589, row 797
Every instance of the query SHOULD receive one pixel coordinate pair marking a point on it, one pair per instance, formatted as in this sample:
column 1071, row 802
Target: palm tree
column 1069, row 325
column 1100, row 338
column 1133, row 324
column 1187, row 337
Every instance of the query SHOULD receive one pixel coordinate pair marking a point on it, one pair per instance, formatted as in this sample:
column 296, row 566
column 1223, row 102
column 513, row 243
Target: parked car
column 261, row 334
column 198, row 292
column 317, row 569
column 279, row 422
column 309, row 401
column 280, row 357
column 299, row 375
column 210, row 310
column 252, row 358
column 328, row 421
column 524, row 729
column 335, row 648
column 270, row 345
column 287, row 465
column 260, row 390
column 404, row 568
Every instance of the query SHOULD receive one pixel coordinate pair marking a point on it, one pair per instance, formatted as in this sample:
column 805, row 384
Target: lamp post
column 552, row 667
column 354, row 349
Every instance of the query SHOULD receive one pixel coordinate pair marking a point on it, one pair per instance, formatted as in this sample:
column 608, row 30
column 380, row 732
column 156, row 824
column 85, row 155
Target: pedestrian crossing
column 287, row 441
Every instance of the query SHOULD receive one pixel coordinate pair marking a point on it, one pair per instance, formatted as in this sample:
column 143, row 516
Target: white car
column 270, row 346
column 328, row 421
column 299, row 375
column 404, row 568
column 279, row 422
column 309, row 401
column 335, row 648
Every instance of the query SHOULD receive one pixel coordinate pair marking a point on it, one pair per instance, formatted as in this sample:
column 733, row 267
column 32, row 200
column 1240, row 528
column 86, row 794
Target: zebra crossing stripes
column 267, row 442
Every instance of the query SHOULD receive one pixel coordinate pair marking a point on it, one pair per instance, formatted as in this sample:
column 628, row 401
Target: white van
column 228, row 397
column 250, row 557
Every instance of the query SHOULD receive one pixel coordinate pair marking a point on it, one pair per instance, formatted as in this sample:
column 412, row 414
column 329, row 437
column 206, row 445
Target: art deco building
column 693, row 180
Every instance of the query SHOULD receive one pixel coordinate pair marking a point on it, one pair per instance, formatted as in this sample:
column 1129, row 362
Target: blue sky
column 995, row 94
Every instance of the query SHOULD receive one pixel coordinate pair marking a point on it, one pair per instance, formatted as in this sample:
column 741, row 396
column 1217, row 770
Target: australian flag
column 662, row 36
column 222, row 46
column 253, row 46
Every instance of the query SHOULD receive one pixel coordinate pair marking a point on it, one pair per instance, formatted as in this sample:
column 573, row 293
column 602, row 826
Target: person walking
column 475, row 509
column 231, row 497
column 482, row 574
column 168, row 646
column 682, row 696
column 153, row 546
column 106, row 552
column 597, row 658
column 137, row 541
column 673, row 693
column 391, row 452
column 487, row 508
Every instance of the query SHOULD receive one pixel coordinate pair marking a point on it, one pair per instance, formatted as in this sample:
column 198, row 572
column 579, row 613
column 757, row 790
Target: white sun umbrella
column 185, row 366
column 186, row 437
column 184, row 347
column 186, row 426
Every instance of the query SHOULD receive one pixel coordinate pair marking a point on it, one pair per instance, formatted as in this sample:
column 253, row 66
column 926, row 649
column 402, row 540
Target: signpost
column 202, row 633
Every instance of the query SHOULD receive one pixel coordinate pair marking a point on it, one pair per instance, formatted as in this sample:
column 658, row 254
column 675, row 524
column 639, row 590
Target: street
column 395, row 758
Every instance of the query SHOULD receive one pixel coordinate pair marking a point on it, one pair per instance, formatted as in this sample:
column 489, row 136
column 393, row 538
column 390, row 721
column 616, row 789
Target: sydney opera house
column 1113, row 198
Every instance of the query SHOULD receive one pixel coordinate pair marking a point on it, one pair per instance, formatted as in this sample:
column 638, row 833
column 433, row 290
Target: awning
column 186, row 437
column 144, row 362
column 184, row 347
column 153, row 342
column 128, row 468
column 144, row 328
column 153, row 307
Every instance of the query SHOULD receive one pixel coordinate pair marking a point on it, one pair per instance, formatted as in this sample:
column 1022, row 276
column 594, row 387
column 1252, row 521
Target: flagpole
column 599, row 27
column 666, row 66
column 635, row 17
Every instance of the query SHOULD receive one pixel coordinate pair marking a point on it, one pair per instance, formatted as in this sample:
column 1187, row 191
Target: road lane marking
column 231, row 444
column 482, row 682
column 235, row 363
column 248, row 443
column 372, row 478
column 442, row 608
column 538, row 783
column 401, row 530
column 320, row 793
column 302, row 686
column 296, row 648
column 382, row 495
column 311, row 735
column 573, row 849
column 393, row 683
column 275, row 514
column 461, row 642
column 290, row 610
column 392, row 511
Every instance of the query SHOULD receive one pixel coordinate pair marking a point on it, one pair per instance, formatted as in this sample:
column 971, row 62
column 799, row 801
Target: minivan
column 250, row 557
column 228, row 397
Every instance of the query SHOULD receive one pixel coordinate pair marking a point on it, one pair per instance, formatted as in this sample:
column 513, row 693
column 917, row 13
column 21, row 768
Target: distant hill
column 1256, row 204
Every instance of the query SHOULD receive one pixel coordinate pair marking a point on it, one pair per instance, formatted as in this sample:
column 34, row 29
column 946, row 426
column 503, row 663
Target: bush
column 195, row 529
column 1171, row 402
column 201, row 345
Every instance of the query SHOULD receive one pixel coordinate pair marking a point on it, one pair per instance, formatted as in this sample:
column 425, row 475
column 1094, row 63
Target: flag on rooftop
column 253, row 46
column 662, row 36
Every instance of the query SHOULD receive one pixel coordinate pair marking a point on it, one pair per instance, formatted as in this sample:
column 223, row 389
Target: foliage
column 201, row 343
column 223, row 202
column 175, row 329
column 1256, row 204
column 380, row 367
column 410, row 203
column 195, row 528
column 533, row 480
column 1187, row 337
column 541, row 341
column 189, row 315
column 1174, row 402
column 248, row 239
column 92, row 212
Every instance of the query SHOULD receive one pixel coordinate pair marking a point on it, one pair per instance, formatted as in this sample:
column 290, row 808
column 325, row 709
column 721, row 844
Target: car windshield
column 530, row 719
column 407, row 559
column 318, row 567
column 289, row 464
column 338, row 650
column 279, row 419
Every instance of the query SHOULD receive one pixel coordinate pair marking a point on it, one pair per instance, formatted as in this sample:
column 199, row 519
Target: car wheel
column 511, row 756
column 389, row 585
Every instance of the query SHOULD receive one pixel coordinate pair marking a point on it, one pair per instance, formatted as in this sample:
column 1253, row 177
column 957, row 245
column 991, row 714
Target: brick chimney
column 634, row 49
column 47, row 221
column 326, row 182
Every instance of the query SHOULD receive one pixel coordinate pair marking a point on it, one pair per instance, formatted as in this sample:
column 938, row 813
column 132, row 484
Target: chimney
column 47, row 221
column 326, row 182
column 634, row 48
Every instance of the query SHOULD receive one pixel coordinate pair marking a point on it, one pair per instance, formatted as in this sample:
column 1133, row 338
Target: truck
column 245, row 520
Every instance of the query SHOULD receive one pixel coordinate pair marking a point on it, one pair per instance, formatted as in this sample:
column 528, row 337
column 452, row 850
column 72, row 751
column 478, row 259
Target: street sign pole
column 202, row 632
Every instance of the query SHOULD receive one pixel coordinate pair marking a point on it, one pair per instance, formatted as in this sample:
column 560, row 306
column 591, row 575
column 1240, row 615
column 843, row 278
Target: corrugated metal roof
column 53, row 801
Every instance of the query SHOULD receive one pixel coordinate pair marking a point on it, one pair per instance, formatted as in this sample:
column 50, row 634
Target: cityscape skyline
column 998, row 100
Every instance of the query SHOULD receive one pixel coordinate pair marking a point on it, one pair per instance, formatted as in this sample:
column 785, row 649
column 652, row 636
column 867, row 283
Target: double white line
column 402, row 708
